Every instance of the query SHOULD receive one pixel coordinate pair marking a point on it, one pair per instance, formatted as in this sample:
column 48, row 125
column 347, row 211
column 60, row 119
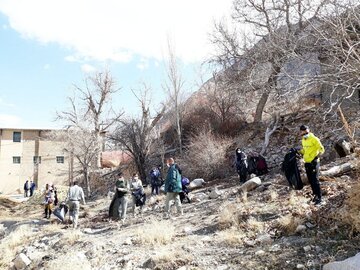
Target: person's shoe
column 317, row 201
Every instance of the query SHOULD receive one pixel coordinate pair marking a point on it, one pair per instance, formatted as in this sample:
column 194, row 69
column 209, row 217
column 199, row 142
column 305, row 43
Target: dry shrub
column 205, row 157
column 255, row 226
column 228, row 216
column 232, row 236
column 289, row 223
column 155, row 232
column 8, row 245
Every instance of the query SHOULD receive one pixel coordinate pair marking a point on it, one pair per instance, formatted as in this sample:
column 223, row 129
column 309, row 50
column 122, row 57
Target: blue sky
column 46, row 46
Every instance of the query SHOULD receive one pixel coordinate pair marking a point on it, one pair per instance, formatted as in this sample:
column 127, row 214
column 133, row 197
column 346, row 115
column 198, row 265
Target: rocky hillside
column 260, row 225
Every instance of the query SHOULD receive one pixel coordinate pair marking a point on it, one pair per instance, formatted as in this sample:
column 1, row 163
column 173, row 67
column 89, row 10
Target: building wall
column 13, row 176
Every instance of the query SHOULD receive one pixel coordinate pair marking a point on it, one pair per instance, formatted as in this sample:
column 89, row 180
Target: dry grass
column 68, row 261
column 9, row 245
column 155, row 232
column 255, row 226
column 228, row 216
column 71, row 237
column 232, row 236
column 289, row 223
column 273, row 195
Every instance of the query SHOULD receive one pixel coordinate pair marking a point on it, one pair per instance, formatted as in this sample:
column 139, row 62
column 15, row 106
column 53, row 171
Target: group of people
column 29, row 188
column 75, row 195
column 311, row 151
column 133, row 189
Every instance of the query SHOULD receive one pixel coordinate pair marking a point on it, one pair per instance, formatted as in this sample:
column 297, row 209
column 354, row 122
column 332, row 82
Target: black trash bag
column 290, row 167
column 60, row 212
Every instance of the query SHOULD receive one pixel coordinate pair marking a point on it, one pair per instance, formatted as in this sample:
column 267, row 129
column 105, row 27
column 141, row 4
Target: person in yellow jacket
column 311, row 150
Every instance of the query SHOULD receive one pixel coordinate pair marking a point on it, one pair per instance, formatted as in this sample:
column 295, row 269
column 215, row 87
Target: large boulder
column 197, row 183
column 251, row 184
column 352, row 263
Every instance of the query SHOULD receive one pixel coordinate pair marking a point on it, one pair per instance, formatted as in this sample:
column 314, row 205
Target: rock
column 196, row 183
column 149, row 263
column 21, row 261
column 198, row 197
column 259, row 253
column 251, row 184
column 151, row 201
column 352, row 263
column 249, row 243
column 300, row 228
column 215, row 194
column 128, row 241
column 182, row 268
column 275, row 248
column 300, row 266
column 264, row 239
column 307, row 248
column 187, row 230
column 222, row 267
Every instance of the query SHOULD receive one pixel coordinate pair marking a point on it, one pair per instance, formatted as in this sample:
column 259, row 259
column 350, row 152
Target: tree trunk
column 178, row 130
column 260, row 107
column 87, row 183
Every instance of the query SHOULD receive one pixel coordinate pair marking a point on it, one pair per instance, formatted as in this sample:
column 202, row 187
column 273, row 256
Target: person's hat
column 304, row 127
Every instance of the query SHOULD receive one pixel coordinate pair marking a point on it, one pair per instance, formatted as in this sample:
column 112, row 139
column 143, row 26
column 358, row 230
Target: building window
column 60, row 159
column 16, row 136
column 37, row 160
column 16, row 160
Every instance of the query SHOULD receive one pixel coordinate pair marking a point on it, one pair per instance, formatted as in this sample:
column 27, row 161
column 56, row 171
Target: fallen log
column 339, row 170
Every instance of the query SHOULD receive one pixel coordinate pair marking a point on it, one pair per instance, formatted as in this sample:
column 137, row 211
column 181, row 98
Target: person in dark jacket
column 173, row 187
column 241, row 165
column 32, row 188
column 26, row 188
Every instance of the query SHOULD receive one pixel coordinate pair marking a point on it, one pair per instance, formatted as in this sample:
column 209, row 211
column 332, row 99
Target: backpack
column 154, row 173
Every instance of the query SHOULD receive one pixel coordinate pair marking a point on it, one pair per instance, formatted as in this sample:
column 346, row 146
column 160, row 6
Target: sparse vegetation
column 155, row 233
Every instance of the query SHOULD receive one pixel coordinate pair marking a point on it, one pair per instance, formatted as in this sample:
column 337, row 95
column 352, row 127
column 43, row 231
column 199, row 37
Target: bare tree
column 277, row 27
column 174, row 89
column 137, row 135
column 338, row 36
column 88, row 118
column 222, row 98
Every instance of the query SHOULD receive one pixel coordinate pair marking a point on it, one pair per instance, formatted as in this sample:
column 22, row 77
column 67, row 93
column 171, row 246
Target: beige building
column 28, row 154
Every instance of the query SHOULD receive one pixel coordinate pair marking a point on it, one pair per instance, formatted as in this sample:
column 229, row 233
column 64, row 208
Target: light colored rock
column 300, row 266
column 215, row 194
column 307, row 248
column 196, row 183
column 275, row 248
column 198, row 197
column 251, row 184
column 352, row 263
column 264, row 239
column 187, row 230
column 259, row 253
column 21, row 261
column 300, row 228
column 151, row 200
column 128, row 241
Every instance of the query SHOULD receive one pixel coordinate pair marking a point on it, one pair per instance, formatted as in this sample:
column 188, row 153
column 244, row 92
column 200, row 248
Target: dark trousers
column 155, row 188
column 312, row 173
column 242, row 176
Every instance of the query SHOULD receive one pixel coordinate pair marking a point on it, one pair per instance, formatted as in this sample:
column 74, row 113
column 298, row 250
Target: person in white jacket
column 74, row 197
